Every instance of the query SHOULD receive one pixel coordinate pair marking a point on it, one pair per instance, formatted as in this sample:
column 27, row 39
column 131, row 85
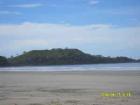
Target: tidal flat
column 68, row 87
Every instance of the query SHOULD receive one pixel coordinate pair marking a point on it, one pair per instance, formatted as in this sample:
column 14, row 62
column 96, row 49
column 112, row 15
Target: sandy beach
column 69, row 88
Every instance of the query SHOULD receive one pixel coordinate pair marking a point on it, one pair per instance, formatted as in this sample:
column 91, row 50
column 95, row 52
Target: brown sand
column 68, row 88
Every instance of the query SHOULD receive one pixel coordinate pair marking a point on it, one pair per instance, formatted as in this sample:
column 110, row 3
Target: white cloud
column 43, row 35
column 27, row 5
column 9, row 13
column 53, row 31
column 93, row 2
column 92, row 33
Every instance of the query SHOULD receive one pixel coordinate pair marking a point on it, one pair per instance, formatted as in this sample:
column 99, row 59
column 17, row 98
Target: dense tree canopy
column 3, row 61
column 62, row 56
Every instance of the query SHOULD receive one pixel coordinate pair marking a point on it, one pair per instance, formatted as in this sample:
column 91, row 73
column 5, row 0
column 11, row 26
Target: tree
column 3, row 61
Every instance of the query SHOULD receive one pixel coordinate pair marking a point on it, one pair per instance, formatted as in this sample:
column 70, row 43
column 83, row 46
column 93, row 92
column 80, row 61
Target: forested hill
column 62, row 57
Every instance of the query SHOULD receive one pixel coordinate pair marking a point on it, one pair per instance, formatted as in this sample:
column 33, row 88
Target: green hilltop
column 59, row 57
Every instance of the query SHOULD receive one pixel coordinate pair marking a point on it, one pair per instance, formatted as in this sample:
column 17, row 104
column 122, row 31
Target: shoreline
column 86, row 67
column 70, row 64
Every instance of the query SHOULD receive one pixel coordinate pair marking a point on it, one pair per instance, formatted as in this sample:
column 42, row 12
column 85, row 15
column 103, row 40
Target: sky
column 99, row 27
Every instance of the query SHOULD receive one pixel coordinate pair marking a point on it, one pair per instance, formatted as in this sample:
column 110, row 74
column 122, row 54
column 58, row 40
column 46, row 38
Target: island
column 59, row 56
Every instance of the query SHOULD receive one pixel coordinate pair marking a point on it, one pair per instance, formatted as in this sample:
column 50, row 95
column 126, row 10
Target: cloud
column 28, row 36
column 93, row 2
column 35, row 5
column 9, row 13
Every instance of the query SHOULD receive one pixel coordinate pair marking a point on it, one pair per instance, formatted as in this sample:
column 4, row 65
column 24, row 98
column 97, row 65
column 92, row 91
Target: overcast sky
column 100, row 27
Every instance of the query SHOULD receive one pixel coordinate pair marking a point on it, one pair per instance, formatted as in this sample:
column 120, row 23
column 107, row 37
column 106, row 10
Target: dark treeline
column 3, row 61
column 59, row 57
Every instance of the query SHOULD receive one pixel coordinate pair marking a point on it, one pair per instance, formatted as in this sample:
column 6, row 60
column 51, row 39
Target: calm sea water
column 87, row 67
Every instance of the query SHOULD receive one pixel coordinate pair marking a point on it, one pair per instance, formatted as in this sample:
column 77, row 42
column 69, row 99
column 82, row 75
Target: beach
column 69, row 88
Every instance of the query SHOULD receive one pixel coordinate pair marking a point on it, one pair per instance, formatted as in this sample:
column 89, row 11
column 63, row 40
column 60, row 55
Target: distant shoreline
column 83, row 67
column 67, row 64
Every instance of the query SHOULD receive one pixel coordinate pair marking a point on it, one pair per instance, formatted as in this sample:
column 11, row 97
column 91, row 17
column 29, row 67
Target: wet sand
column 69, row 88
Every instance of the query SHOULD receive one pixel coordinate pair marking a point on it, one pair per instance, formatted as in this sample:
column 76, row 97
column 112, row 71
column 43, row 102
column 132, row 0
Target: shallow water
column 86, row 67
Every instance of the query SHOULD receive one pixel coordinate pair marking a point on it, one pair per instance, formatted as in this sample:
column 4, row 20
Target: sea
column 83, row 67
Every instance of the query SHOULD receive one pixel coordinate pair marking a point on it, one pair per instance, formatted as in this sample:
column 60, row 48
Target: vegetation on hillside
column 3, row 61
column 62, row 57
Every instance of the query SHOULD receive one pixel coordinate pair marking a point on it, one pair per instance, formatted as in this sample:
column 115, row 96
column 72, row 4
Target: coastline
column 86, row 67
